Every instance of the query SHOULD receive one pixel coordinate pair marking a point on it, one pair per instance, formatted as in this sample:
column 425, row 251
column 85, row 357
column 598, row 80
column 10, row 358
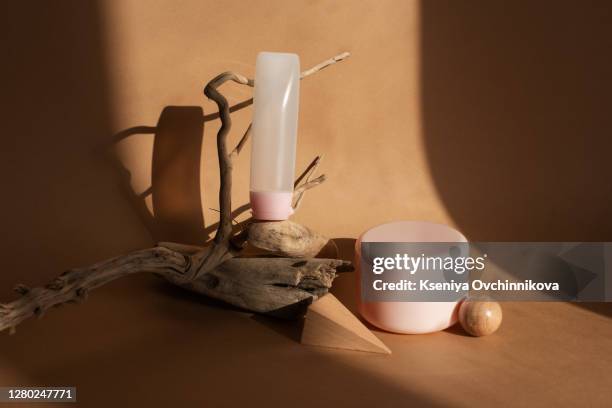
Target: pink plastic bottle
column 274, row 134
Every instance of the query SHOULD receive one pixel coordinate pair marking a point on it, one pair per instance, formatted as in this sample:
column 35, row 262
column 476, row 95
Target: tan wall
column 490, row 118
column 362, row 115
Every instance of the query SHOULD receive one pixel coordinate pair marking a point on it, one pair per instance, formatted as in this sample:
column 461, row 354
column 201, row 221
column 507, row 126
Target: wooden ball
column 480, row 317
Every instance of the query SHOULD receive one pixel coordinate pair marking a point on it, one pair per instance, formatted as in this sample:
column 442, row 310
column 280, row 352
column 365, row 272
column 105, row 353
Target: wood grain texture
column 281, row 287
column 286, row 238
column 329, row 323
column 480, row 318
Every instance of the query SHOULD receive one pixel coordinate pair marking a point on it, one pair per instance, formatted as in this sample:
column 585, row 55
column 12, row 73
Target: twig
column 242, row 142
column 308, row 171
column 304, row 74
column 325, row 64
column 298, row 192
column 300, row 189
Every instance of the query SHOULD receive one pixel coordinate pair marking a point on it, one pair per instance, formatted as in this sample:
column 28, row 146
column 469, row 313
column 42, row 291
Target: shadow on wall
column 176, row 210
column 60, row 204
column 516, row 109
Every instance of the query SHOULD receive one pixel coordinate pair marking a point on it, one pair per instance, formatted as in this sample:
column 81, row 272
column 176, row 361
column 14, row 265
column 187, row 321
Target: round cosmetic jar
column 409, row 317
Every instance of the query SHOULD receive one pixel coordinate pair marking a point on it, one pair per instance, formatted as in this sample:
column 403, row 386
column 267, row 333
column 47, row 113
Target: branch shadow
column 175, row 212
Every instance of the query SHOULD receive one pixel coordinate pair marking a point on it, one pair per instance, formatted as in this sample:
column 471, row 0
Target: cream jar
column 410, row 317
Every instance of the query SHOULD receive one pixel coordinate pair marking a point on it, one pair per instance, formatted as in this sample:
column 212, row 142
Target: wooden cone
column 329, row 324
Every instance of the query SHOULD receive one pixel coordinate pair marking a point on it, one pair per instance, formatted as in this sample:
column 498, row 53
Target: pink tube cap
column 271, row 205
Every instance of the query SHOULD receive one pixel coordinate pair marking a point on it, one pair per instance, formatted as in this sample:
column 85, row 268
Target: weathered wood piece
column 286, row 238
column 263, row 285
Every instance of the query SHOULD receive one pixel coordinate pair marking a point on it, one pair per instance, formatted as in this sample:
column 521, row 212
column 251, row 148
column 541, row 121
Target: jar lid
column 412, row 231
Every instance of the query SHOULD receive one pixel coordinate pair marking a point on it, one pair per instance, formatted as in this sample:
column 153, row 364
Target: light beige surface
column 142, row 343
column 490, row 116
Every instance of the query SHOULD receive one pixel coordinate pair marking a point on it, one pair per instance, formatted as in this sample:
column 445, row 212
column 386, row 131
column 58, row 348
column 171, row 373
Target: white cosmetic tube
column 274, row 133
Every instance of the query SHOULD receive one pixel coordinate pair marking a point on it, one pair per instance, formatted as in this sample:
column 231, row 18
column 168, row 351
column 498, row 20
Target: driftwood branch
column 282, row 287
column 263, row 285
column 224, row 230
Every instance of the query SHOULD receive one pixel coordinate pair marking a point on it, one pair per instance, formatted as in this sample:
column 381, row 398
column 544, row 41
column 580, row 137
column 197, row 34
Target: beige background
column 363, row 115
column 489, row 116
